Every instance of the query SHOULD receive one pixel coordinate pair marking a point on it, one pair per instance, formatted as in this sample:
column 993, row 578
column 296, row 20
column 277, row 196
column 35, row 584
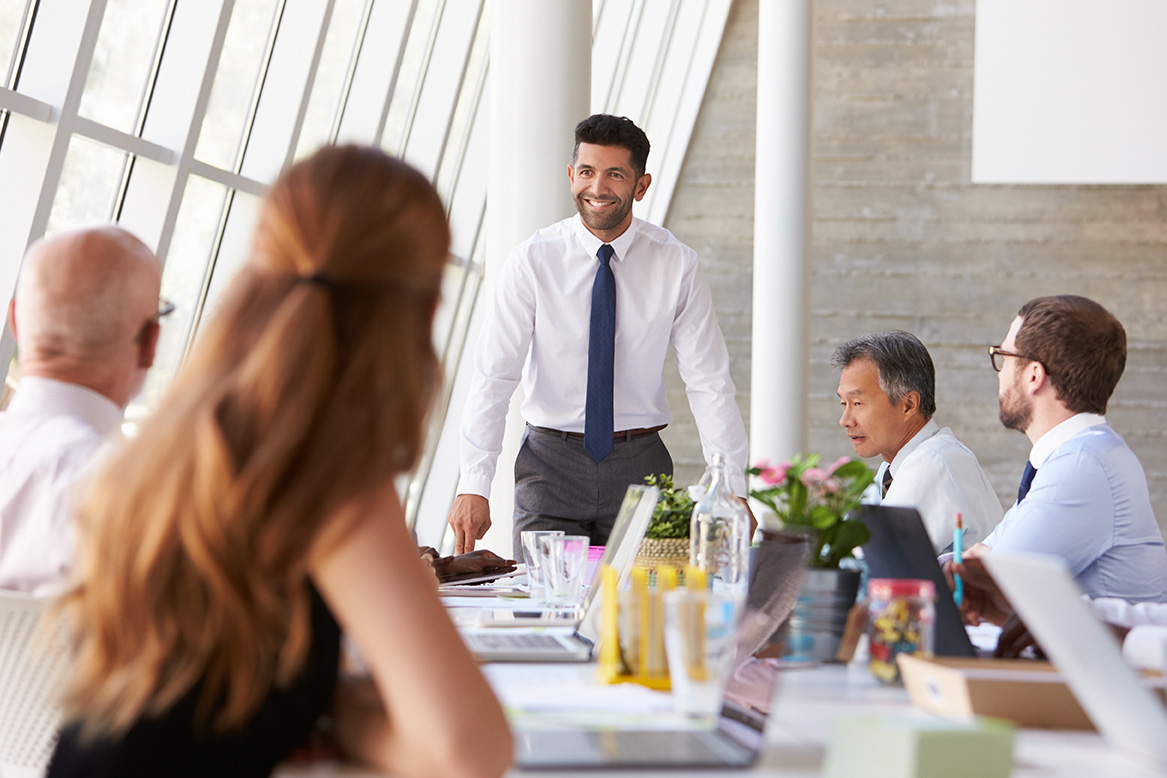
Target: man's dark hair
column 603, row 129
column 904, row 365
column 1080, row 344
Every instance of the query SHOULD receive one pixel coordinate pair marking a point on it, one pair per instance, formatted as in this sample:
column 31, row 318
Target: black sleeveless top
column 171, row 745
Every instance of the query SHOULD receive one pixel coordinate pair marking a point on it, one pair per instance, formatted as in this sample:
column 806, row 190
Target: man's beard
column 608, row 221
column 1016, row 413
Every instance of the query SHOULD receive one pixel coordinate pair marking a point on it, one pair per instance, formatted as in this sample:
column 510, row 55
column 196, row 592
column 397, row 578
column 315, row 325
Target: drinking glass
column 564, row 560
column 531, row 555
column 701, row 644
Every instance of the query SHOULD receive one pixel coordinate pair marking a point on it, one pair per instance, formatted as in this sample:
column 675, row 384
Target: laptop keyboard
column 509, row 641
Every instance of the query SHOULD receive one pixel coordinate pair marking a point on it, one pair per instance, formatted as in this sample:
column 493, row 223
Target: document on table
column 572, row 690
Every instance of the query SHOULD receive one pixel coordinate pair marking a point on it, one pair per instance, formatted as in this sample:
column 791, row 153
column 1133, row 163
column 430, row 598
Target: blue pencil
column 957, row 557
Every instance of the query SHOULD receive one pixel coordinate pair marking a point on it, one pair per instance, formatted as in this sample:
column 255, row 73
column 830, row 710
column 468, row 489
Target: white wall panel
column 1070, row 91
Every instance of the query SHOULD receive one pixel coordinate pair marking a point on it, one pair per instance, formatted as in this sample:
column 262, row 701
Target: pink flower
column 813, row 475
column 832, row 486
column 775, row 475
column 838, row 463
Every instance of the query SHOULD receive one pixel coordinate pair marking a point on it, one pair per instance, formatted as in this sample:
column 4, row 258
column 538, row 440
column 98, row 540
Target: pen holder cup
column 632, row 627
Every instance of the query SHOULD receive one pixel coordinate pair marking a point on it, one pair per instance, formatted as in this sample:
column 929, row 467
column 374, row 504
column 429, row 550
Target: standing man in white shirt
column 1083, row 495
column 887, row 388
column 584, row 314
column 85, row 316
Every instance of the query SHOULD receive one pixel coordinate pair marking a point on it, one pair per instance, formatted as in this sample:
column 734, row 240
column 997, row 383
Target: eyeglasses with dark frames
column 997, row 357
column 165, row 308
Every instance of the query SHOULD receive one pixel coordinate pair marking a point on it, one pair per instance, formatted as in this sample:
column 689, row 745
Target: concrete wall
column 902, row 239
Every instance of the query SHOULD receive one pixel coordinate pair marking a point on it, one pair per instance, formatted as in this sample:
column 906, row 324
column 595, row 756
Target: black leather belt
column 623, row 435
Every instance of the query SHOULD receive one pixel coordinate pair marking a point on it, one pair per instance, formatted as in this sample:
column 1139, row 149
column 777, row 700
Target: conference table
column 808, row 702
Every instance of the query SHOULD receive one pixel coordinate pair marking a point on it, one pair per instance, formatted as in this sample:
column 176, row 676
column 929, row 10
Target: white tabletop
column 809, row 701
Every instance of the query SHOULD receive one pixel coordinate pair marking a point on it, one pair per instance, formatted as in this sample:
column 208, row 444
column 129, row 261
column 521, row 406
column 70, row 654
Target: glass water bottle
column 719, row 540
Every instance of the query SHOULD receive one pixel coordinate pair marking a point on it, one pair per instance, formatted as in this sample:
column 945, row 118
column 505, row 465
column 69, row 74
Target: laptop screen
column 620, row 552
column 900, row 548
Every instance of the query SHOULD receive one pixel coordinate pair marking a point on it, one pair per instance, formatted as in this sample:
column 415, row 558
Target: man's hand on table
column 750, row 515
column 1014, row 639
column 470, row 518
column 984, row 600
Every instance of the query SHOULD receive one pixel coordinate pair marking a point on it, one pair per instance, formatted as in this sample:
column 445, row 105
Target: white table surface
column 809, row 700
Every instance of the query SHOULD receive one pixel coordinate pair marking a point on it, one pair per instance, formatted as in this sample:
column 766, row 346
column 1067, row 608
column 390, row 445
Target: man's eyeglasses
column 165, row 308
column 997, row 357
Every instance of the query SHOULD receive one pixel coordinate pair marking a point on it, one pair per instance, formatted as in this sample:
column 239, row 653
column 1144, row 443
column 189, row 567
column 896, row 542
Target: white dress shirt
column 537, row 330
column 49, row 437
column 1145, row 646
column 1090, row 506
column 940, row 477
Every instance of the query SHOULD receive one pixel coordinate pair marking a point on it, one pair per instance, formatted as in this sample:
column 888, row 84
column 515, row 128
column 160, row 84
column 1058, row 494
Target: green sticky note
column 876, row 747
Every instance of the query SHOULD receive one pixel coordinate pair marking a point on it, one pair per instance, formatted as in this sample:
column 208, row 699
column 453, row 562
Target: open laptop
column 738, row 735
column 900, row 548
column 573, row 643
column 1049, row 601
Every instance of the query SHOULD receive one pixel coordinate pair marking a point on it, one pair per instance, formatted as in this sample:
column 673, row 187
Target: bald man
column 85, row 316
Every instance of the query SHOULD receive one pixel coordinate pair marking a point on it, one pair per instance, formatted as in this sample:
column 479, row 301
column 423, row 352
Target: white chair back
column 32, row 667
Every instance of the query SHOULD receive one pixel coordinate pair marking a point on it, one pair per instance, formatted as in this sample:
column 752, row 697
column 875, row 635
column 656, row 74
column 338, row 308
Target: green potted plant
column 666, row 541
column 814, row 502
column 817, row 501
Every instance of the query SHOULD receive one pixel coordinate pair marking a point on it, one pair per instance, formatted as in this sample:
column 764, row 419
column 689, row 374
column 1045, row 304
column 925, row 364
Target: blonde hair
column 304, row 395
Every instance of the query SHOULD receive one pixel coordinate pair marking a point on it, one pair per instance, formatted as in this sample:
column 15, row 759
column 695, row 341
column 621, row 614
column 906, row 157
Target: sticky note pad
column 889, row 747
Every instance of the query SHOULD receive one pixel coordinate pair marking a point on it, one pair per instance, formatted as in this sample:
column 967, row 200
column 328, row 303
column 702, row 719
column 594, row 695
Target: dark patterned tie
column 598, row 421
column 887, row 479
column 1026, row 481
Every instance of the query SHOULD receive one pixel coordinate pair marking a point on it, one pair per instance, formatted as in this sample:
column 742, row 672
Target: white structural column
column 540, row 74
column 778, row 383
column 777, row 427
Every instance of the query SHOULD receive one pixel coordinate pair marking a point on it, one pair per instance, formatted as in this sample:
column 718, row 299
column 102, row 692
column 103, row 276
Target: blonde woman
column 255, row 513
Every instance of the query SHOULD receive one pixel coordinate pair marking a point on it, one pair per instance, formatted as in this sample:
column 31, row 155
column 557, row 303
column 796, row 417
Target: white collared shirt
column 49, row 437
column 537, row 330
column 1145, row 646
column 940, row 477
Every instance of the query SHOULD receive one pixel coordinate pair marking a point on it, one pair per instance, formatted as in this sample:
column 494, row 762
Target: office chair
column 32, row 665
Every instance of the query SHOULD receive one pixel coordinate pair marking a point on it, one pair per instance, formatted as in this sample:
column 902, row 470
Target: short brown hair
column 1080, row 344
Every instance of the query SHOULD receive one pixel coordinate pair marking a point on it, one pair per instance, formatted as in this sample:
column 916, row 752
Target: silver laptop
column 572, row 643
column 1049, row 601
column 738, row 735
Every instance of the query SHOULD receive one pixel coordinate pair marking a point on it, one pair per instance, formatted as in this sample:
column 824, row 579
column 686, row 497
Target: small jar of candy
column 900, row 616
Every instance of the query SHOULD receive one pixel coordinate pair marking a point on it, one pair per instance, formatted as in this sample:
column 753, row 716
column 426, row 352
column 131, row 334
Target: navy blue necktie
column 598, row 421
column 887, row 479
column 1026, row 481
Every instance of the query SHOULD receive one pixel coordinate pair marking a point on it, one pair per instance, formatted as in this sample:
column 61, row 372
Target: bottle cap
column 888, row 588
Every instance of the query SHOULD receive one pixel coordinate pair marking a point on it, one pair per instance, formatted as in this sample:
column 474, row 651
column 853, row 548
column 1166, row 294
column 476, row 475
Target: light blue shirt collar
column 1048, row 443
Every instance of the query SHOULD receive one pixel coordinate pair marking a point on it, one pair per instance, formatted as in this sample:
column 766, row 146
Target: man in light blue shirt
column 1084, row 495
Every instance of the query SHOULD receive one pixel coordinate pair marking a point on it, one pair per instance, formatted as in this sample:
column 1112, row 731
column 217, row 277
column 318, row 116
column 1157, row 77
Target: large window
column 171, row 117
